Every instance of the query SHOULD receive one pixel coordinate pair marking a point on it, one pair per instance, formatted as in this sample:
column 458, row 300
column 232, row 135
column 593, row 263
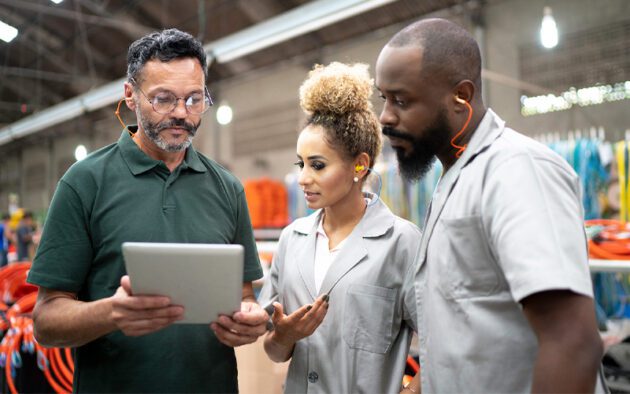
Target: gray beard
column 152, row 132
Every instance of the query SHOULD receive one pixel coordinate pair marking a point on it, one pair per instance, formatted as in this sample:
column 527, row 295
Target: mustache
column 392, row 132
column 177, row 123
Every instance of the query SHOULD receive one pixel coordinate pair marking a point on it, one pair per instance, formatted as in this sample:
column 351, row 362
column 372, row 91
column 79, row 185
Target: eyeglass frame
column 206, row 94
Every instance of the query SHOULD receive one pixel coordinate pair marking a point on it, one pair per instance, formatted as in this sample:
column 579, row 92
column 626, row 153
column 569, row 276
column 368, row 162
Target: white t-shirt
column 323, row 255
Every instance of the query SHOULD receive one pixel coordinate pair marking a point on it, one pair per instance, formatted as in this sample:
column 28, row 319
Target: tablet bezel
column 207, row 279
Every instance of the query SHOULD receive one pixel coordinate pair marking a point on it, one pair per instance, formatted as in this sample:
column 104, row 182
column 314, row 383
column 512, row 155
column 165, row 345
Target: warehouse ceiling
column 65, row 49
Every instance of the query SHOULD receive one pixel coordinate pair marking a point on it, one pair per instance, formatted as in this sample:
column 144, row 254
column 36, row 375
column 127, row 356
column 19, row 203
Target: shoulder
column 514, row 144
column 87, row 171
column 406, row 228
column 224, row 176
column 517, row 152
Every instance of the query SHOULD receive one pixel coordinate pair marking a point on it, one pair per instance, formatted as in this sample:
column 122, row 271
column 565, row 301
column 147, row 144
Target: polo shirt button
column 313, row 376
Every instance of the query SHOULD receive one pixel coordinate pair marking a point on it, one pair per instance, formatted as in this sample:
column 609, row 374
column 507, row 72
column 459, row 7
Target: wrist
column 281, row 340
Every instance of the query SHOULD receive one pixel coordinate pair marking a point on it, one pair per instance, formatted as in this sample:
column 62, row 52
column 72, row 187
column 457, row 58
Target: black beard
column 424, row 148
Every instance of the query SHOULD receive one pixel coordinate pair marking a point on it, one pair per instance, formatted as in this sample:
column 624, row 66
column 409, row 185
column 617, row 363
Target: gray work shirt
column 505, row 222
column 362, row 344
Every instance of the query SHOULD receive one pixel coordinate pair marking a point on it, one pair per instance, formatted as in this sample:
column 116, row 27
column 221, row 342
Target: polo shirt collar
column 139, row 162
column 376, row 221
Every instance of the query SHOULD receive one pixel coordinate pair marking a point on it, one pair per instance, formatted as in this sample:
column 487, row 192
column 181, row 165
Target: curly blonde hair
column 337, row 98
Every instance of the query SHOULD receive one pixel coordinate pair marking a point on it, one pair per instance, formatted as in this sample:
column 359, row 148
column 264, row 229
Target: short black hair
column 165, row 46
column 448, row 50
column 27, row 215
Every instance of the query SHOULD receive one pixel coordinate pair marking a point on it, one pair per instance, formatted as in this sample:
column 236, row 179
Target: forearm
column 277, row 350
column 66, row 322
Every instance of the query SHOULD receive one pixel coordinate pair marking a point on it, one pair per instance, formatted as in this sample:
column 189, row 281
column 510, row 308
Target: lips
column 397, row 143
column 310, row 196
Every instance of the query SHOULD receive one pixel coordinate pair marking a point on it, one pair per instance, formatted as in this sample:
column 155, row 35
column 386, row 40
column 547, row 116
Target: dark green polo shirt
column 120, row 194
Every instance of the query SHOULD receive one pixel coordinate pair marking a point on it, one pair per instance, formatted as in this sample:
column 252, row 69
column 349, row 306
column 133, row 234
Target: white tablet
column 206, row 279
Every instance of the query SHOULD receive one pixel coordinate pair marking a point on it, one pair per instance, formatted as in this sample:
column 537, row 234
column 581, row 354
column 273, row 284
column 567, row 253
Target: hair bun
column 337, row 88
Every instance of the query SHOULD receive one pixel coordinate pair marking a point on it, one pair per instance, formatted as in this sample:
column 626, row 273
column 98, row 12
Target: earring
column 356, row 179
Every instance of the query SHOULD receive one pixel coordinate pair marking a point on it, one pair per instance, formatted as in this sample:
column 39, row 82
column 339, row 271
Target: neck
column 341, row 218
column 171, row 159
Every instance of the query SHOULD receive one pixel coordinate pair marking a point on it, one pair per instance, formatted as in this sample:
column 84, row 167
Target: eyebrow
column 164, row 90
column 393, row 91
column 314, row 157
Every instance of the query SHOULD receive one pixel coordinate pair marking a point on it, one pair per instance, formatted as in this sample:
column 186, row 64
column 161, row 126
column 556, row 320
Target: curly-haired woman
column 341, row 282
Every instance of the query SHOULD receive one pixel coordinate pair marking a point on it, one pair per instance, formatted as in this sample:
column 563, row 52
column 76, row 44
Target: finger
column 278, row 312
column 144, row 302
column 300, row 313
column 244, row 329
column 251, row 314
column 125, row 316
column 312, row 321
column 125, row 283
column 229, row 337
column 317, row 305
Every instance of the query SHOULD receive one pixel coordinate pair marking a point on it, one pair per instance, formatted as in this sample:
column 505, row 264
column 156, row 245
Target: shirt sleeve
column 64, row 254
column 270, row 290
column 532, row 211
column 244, row 235
column 410, row 303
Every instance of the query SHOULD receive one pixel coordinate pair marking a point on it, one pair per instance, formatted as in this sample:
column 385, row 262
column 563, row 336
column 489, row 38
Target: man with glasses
column 149, row 186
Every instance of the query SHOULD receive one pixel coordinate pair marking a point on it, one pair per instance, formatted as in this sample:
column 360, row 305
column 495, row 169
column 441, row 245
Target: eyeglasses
column 165, row 102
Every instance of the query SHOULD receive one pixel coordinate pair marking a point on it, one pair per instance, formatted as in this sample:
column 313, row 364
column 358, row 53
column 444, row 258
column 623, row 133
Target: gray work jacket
column 362, row 344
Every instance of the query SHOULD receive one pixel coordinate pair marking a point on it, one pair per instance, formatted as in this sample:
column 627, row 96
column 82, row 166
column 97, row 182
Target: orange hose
column 56, row 371
column 411, row 362
column 66, row 374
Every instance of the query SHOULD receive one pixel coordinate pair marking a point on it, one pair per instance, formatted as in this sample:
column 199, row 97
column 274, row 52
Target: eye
column 382, row 96
column 299, row 163
column 317, row 165
column 400, row 102
column 196, row 99
column 163, row 99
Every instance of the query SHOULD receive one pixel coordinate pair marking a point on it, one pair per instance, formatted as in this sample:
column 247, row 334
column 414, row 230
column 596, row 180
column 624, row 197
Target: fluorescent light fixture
column 548, row 30
column 584, row 97
column 7, row 32
column 301, row 20
column 56, row 1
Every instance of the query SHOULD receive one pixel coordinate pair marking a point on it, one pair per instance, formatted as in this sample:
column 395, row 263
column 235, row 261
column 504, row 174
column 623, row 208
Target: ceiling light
column 548, row 30
column 298, row 21
column 80, row 152
column 224, row 114
column 56, row 1
column 7, row 32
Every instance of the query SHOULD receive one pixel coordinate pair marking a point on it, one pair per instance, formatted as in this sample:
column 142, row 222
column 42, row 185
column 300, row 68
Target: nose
column 180, row 111
column 304, row 177
column 388, row 116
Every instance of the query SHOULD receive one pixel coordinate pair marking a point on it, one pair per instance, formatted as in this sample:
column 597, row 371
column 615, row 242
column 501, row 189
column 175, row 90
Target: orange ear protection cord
column 461, row 148
column 117, row 113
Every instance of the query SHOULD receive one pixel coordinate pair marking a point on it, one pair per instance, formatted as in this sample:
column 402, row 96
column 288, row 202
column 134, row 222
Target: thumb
column 278, row 312
column 125, row 283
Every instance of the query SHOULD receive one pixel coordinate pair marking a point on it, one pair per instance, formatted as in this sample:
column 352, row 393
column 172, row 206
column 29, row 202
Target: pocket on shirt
column 368, row 317
column 467, row 269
